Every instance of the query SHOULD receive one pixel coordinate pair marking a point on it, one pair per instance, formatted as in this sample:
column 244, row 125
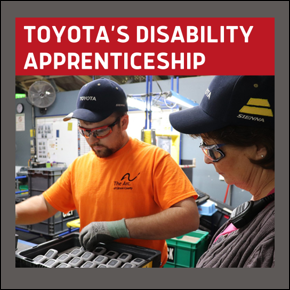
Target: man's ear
column 124, row 122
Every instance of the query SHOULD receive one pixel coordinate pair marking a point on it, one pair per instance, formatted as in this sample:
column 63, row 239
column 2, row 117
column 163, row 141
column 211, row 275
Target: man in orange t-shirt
column 124, row 189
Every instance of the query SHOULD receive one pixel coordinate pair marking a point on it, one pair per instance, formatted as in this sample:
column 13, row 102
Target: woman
column 235, row 121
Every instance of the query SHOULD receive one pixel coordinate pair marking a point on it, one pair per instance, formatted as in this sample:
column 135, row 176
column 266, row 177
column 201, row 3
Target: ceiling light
column 178, row 99
column 141, row 105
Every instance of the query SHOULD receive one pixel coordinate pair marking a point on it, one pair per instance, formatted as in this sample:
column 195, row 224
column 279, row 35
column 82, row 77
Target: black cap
column 97, row 100
column 229, row 100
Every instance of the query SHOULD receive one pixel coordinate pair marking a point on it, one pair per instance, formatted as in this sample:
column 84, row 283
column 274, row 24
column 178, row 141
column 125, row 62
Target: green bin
column 23, row 187
column 184, row 251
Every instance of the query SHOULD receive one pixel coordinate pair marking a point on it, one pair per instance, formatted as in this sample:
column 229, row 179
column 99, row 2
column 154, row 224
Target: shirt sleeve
column 171, row 185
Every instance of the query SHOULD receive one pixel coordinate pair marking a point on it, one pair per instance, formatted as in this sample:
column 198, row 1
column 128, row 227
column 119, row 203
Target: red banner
column 151, row 46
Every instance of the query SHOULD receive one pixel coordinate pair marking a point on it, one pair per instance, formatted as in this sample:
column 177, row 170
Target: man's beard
column 105, row 152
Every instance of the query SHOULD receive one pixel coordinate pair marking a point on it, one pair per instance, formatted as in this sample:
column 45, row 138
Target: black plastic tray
column 66, row 243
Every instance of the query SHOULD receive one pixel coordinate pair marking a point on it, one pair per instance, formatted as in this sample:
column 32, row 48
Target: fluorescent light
column 141, row 105
column 178, row 101
column 176, row 98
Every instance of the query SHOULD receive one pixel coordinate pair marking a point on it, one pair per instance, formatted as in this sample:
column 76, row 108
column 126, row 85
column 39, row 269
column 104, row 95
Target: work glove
column 105, row 232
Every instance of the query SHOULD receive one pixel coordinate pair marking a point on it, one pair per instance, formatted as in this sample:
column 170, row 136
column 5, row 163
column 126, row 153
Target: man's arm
column 175, row 221
column 178, row 220
column 33, row 210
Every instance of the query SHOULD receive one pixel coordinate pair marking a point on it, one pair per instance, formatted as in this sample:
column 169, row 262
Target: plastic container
column 54, row 225
column 66, row 243
column 208, row 208
column 40, row 179
column 21, row 197
column 184, row 251
column 23, row 227
column 23, row 187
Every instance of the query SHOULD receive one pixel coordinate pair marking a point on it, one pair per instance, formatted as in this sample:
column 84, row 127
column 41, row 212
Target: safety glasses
column 212, row 151
column 99, row 132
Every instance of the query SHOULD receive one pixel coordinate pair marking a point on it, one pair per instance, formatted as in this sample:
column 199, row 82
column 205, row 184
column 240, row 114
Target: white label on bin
column 170, row 254
column 70, row 213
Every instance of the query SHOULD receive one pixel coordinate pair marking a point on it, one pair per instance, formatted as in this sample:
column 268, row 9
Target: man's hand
column 96, row 232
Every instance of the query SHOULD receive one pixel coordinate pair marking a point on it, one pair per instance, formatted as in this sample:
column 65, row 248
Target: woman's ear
column 261, row 152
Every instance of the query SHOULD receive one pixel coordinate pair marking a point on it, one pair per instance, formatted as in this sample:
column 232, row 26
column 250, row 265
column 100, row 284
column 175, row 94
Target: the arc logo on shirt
column 125, row 182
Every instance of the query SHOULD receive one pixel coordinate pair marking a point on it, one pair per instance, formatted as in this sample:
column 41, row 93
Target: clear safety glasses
column 99, row 132
column 212, row 151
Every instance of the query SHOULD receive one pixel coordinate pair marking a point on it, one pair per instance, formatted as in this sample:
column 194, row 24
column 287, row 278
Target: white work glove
column 96, row 232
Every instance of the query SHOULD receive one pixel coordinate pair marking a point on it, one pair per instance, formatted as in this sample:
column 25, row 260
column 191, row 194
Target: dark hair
column 119, row 115
column 244, row 136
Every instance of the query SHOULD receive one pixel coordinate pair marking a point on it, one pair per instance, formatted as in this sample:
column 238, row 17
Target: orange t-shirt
column 136, row 181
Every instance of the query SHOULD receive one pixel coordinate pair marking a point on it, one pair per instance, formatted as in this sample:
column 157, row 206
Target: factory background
column 192, row 88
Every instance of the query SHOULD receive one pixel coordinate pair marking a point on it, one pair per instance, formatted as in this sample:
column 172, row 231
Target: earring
column 262, row 155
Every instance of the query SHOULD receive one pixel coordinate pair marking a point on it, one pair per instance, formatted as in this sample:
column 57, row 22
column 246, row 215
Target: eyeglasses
column 212, row 151
column 99, row 132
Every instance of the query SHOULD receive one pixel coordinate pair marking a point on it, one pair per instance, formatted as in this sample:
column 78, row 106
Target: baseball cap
column 97, row 100
column 229, row 100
